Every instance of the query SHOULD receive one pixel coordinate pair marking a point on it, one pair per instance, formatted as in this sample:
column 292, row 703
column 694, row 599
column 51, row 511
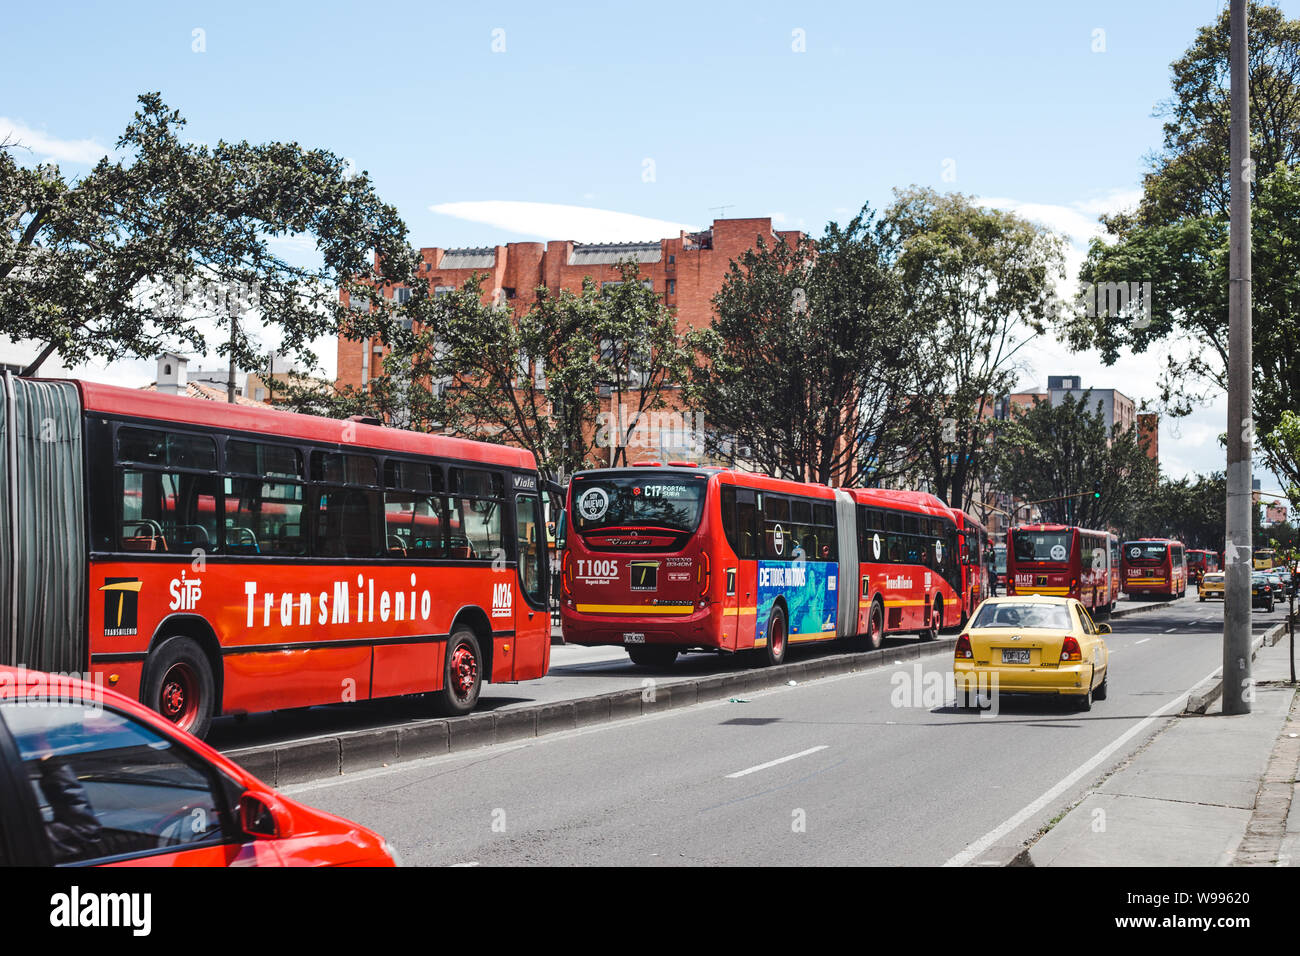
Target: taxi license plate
column 1014, row 656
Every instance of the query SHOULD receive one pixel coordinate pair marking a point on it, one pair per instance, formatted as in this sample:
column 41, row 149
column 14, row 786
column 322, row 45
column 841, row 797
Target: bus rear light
column 566, row 574
column 703, row 574
column 963, row 651
column 1070, row 650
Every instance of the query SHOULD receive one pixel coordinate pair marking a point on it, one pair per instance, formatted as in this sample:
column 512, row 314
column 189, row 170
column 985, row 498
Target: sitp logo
column 502, row 599
column 121, row 606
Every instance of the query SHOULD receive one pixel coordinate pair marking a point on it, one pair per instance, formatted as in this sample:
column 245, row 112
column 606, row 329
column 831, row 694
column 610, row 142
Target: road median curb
column 352, row 751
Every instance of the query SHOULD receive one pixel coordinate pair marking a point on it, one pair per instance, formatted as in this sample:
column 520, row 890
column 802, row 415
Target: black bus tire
column 178, row 684
column 778, row 637
column 462, row 675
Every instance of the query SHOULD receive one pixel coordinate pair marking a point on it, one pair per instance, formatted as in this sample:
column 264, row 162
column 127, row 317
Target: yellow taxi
column 1032, row 644
column 1211, row 585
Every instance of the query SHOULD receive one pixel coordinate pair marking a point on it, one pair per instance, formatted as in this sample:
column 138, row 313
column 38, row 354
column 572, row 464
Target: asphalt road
column 865, row 768
column 575, row 672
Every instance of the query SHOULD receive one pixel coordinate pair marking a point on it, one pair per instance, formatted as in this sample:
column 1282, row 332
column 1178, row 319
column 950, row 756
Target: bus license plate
column 1014, row 656
column 632, row 637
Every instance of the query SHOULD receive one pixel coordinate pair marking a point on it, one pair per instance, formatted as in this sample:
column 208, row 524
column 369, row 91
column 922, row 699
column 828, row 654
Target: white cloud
column 46, row 147
column 559, row 221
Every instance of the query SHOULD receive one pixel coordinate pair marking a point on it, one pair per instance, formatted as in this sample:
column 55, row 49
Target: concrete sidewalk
column 1205, row 791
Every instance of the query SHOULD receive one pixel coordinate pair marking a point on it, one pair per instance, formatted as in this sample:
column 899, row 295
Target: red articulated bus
column 974, row 562
column 665, row 559
column 1154, row 566
column 909, row 564
column 1062, row 561
column 211, row 559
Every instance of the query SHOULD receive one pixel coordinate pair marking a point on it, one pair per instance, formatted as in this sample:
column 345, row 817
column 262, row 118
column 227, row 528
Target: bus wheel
column 936, row 620
column 462, row 675
column 179, row 685
column 774, row 652
column 652, row 655
column 876, row 627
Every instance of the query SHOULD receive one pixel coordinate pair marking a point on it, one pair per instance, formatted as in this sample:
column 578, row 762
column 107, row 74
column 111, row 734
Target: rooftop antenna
column 722, row 210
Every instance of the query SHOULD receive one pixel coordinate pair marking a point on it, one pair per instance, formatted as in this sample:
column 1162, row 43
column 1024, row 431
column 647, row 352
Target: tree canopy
column 156, row 249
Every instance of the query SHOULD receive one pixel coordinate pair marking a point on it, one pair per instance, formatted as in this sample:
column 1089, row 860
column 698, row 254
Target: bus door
column 532, row 617
column 741, row 619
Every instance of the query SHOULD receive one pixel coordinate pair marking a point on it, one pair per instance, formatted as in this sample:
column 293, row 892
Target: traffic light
column 1096, row 489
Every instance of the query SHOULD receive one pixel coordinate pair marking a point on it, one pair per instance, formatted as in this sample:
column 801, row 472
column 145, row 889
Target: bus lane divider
column 331, row 755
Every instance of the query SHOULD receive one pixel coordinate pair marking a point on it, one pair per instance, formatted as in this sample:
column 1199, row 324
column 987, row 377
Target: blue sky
column 661, row 111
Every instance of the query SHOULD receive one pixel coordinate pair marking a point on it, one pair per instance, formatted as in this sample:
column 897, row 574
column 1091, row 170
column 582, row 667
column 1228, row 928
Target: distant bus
column 212, row 559
column 1201, row 562
column 974, row 562
column 1000, row 566
column 665, row 559
column 1154, row 566
column 1062, row 561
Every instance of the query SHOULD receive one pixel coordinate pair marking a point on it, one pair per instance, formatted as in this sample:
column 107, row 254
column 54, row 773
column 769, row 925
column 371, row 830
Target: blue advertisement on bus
column 809, row 590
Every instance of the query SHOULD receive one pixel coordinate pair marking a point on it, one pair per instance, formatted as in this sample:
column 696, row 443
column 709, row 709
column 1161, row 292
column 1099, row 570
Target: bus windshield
column 672, row 502
column 1145, row 552
column 1000, row 560
column 1042, row 546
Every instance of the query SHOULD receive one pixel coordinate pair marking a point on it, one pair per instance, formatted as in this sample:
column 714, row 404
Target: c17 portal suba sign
column 121, row 606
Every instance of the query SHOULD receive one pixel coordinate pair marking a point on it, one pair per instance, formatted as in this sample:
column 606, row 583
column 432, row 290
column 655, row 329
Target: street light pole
column 1237, row 692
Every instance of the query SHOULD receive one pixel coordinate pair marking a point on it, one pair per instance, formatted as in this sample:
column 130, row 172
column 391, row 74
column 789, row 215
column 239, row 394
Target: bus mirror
column 561, row 526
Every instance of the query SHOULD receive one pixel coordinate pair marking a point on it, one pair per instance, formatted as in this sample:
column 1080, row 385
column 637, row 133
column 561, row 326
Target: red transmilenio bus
column 210, row 559
column 1154, row 566
column 975, row 555
column 1200, row 563
column 665, row 559
column 1062, row 561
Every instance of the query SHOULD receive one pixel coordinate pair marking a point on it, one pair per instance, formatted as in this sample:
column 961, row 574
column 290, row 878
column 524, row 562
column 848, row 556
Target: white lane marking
column 1171, row 630
column 773, row 763
column 986, row 841
column 1143, row 641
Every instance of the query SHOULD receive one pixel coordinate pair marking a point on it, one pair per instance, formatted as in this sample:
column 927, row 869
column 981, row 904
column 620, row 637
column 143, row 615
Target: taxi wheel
column 1084, row 702
column 777, row 635
column 1103, row 688
column 179, row 685
column 462, row 675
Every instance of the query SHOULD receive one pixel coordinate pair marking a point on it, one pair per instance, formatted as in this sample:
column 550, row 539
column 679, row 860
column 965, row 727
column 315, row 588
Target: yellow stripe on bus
column 824, row 635
column 635, row 609
column 920, row 603
column 1046, row 591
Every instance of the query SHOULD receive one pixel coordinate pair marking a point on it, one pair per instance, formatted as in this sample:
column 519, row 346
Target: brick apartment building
column 686, row 270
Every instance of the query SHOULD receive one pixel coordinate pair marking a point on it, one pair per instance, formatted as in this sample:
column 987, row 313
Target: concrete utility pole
column 1237, row 690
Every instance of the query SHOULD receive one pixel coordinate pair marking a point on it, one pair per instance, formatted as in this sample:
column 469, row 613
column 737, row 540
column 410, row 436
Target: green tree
column 1191, row 509
column 464, row 367
column 1177, row 239
column 1063, row 452
column 806, row 368
column 977, row 289
column 152, row 251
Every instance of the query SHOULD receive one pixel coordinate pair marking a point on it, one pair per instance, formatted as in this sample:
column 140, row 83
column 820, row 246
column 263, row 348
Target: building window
column 672, row 286
column 401, row 296
column 672, row 259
